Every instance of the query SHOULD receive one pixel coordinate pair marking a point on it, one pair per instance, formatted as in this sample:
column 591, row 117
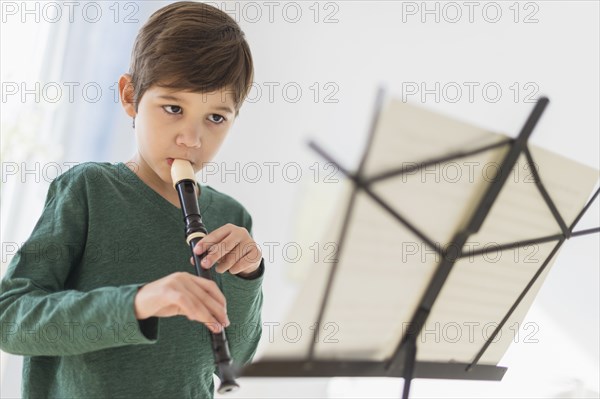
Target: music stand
column 431, row 294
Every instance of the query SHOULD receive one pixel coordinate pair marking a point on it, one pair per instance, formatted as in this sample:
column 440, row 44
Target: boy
column 101, row 300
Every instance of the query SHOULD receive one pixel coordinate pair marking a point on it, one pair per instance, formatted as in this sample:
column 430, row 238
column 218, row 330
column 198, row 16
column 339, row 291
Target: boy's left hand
column 232, row 247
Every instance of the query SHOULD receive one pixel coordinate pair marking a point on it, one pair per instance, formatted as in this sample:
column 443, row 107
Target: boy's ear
column 126, row 92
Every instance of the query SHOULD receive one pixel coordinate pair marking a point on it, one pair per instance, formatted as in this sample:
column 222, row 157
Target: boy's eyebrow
column 171, row 97
column 181, row 100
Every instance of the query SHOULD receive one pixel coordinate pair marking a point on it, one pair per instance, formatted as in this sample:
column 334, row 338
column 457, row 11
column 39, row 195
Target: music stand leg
column 409, row 365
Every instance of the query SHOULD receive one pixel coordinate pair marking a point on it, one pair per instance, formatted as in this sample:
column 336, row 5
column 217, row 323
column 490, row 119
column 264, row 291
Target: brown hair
column 194, row 47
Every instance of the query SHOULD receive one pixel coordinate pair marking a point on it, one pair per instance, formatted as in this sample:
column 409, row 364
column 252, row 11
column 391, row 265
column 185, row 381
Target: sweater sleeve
column 39, row 316
column 244, row 305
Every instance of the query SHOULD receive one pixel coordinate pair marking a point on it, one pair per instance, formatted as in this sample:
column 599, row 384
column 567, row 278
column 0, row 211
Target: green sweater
column 67, row 299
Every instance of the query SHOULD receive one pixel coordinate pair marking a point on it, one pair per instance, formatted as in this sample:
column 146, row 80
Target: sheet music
column 384, row 268
column 476, row 297
column 408, row 134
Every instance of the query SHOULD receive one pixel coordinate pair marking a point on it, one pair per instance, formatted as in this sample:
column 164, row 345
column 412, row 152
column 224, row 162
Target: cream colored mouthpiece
column 181, row 170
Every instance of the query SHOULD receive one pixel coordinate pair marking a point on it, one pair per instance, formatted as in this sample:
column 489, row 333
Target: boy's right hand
column 183, row 294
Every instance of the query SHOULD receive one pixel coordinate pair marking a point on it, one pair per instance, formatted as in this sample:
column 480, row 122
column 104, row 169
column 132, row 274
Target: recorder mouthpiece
column 182, row 170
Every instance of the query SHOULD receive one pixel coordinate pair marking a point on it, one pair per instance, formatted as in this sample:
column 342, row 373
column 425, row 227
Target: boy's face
column 178, row 124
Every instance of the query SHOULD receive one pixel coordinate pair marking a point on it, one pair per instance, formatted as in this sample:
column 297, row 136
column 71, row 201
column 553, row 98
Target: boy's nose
column 189, row 138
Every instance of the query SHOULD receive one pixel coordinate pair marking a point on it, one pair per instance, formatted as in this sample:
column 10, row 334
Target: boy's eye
column 172, row 109
column 218, row 118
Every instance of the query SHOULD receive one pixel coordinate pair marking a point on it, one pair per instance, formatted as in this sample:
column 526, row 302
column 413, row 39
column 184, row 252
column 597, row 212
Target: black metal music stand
column 403, row 362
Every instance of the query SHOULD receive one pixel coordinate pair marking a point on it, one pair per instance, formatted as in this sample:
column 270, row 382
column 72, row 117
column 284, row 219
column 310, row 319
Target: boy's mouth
column 170, row 161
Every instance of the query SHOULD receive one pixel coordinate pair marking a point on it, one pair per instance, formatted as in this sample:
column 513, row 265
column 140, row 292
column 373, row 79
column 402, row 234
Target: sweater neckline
column 204, row 196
